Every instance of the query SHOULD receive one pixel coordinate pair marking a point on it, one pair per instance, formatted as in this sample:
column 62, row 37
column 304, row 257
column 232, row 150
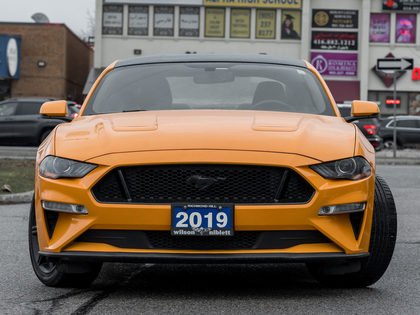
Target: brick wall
column 67, row 59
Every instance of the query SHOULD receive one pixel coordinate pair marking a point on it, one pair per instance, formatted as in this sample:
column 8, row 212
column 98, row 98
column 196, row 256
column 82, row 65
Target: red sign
column 415, row 75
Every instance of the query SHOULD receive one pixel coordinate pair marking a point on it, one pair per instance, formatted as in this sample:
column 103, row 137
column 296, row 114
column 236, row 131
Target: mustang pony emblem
column 202, row 183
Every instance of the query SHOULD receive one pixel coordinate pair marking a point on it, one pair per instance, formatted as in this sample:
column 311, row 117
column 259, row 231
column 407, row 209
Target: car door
column 408, row 131
column 7, row 121
column 27, row 123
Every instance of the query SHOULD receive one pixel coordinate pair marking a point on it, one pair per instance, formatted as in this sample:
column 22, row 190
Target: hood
column 320, row 137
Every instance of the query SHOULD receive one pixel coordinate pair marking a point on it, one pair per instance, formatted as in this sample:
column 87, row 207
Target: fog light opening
column 345, row 208
column 64, row 207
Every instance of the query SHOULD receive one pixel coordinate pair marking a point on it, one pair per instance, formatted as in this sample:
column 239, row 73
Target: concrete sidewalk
column 403, row 157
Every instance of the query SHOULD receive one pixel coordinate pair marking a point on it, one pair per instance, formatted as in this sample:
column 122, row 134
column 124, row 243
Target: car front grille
column 241, row 240
column 210, row 183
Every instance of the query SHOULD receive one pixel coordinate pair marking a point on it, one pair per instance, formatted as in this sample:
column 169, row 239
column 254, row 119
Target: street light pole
column 395, row 114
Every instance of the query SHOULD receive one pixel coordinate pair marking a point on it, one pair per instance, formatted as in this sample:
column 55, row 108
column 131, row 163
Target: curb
column 25, row 197
column 397, row 161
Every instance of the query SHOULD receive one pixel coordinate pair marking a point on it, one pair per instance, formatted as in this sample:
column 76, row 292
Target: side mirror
column 363, row 109
column 55, row 109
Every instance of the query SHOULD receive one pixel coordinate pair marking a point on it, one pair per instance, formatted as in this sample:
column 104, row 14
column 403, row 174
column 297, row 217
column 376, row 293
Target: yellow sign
column 215, row 23
column 240, row 21
column 290, row 27
column 266, row 24
column 289, row 4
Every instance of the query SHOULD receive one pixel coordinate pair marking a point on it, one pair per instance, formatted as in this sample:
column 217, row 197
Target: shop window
column 215, row 22
column 164, row 21
column 379, row 28
column 138, row 20
column 405, row 31
column 240, row 20
column 189, row 21
column 112, row 21
column 266, row 24
column 291, row 24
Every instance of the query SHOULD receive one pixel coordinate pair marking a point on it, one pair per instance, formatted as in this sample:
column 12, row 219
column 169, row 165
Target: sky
column 73, row 13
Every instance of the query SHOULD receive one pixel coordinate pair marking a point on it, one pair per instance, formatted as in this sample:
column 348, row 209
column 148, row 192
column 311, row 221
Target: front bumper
column 342, row 243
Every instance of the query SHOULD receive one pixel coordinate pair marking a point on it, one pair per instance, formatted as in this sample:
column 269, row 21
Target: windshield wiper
column 134, row 110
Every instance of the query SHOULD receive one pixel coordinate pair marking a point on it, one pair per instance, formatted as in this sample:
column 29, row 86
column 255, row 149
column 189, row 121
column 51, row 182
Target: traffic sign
column 394, row 64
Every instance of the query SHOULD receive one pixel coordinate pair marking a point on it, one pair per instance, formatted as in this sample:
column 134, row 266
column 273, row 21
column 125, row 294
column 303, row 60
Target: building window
column 138, row 20
column 379, row 28
column 290, row 26
column 112, row 21
column 164, row 21
column 266, row 24
column 215, row 22
column 189, row 21
column 240, row 20
column 405, row 31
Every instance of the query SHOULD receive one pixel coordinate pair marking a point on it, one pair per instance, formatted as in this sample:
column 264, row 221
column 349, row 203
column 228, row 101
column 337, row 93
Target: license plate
column 202, row 220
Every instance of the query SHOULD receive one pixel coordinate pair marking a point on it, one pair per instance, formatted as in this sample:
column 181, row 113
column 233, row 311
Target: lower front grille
column 210, row 183
column 241, row 240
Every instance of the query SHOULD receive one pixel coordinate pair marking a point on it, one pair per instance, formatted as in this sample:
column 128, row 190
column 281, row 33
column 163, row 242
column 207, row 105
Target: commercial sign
column 240, row 21
column 290, row 4
column 215, row 22
column 401, row 5
column 335, row 64
column 335, row 18
column 189, row 21
column 164, row 21
column 138, row 20
column 405, row 31
column 334, row 40
column 10, row 56
column 379, row 27
column 112, row 20
column 155, row 2
column 266, row 24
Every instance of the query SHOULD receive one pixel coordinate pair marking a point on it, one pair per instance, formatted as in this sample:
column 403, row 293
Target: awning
column 93, row 75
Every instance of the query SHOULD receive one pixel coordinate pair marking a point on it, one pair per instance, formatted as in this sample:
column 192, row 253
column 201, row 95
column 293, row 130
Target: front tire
column 46, row 271
column 381, row 248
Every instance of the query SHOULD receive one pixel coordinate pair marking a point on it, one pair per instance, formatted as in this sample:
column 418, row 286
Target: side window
column 407, row 123
column 8, row 109
column 29, row 108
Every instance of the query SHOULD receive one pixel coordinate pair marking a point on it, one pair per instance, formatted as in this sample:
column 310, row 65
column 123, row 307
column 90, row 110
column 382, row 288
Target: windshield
column 184, row 86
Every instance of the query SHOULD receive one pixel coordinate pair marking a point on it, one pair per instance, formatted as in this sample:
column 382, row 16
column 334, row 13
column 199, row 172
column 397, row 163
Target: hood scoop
column 281, row 124
column 142, row 123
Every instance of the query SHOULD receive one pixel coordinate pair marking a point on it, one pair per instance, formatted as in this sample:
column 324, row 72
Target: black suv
column 408, row 131
column 370, row 127
column 21, row 123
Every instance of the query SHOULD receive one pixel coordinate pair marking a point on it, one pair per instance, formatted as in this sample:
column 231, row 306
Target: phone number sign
column 334, row 40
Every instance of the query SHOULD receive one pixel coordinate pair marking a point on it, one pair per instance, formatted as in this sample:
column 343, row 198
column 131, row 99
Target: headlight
column 352, row 168
column 55, row 167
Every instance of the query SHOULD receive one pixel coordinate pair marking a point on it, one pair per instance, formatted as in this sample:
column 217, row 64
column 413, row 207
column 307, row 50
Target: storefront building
column 42, row 60
column 342, row 39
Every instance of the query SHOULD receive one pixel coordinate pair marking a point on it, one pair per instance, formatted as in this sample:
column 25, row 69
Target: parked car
column 370, row 127
column 73, row 109
column 408, row 131
column 210, row 159
column 21, row 123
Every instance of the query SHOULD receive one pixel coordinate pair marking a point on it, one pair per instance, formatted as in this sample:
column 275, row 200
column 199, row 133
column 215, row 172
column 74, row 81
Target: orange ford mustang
column 210, row 159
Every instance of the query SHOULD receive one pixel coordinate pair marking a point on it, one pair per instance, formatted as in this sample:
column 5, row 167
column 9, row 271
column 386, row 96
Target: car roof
column 267, row 59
